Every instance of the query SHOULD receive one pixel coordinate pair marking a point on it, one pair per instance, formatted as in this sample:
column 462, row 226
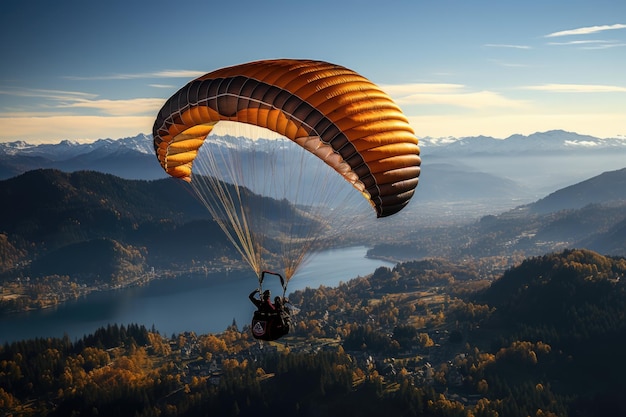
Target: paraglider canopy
column 340, row 119
column 333, row 112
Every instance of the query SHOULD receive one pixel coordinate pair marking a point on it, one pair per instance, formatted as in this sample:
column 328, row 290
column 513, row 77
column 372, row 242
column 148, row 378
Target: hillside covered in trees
column 426, row 338
column 87, row 230
column 133, row 227
column 600, row 227
column 78, row 208
column 590, row 214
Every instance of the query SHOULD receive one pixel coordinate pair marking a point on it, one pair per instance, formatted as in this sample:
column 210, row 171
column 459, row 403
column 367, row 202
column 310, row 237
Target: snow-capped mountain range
column 555, row 140
column 452, row 168
column 68, row 149
column 468, row 172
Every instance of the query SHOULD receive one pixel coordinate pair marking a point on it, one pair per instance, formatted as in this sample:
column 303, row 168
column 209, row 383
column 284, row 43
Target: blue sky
column 85, row 70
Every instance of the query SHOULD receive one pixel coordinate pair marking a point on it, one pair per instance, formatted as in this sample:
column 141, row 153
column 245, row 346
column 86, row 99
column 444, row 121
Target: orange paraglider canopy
column 333, row 112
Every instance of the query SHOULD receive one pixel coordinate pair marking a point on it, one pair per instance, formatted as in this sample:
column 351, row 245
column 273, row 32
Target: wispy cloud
column 591, row 44
column 178, row 73
column 137, row 106
column 57, row 100
column 577, row 88
column 605, row 46
column 41, row 128
column 501, row 45
column 47, row 94
column 157, row 74
column 456, row 95
column 508, row 64
column 586, row 30
column 581, row 144
column 587, row 42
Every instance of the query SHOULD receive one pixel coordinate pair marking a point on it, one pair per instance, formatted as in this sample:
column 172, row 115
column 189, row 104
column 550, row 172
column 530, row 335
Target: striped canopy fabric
column 338, row 115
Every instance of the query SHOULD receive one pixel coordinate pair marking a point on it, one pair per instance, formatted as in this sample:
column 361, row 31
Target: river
column 206, row 304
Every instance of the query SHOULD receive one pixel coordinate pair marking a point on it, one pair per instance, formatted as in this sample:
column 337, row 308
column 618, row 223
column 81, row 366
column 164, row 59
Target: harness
column 271, row 325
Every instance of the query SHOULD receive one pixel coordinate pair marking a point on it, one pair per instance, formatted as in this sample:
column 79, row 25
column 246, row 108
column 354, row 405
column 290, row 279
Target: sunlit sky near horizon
column 86, row 70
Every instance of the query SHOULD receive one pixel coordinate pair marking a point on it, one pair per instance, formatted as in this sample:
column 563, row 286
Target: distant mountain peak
column 67, row 149
column 551, row 141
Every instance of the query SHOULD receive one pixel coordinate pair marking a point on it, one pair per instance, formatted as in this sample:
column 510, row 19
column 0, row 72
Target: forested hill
column 573, row 302
column 45, row 198
column 590, row 214
column 604, row 188
column 421, row 339
column 563, row 297
column 47, row 215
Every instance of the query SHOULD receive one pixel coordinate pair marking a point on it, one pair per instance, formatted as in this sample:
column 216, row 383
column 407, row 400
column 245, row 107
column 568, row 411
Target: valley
column 501, row 302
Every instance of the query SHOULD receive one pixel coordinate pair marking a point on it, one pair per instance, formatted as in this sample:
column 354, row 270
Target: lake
column 200, row 304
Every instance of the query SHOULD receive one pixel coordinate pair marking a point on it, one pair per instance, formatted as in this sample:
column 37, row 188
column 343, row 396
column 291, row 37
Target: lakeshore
column 203, row 302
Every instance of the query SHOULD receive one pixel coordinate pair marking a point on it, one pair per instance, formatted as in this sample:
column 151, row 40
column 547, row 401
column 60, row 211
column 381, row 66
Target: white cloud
column 52, row 129
column 499, row 45
column 63, row 100
column 577, row 88
column 157, row 74
column 591, row 44
column 448, row 94
column 587, row 42
column 580, row 144
column 135, row 106
column 586, row 30
column 48, row 94
column 178, row 74
column 605, row 46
